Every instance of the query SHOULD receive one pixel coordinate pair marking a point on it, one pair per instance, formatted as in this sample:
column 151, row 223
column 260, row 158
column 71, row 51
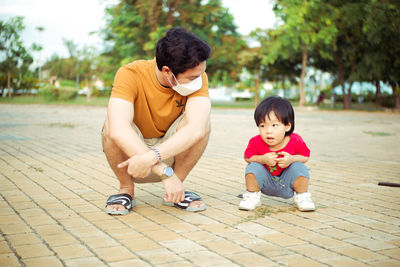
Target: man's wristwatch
column 167, row 173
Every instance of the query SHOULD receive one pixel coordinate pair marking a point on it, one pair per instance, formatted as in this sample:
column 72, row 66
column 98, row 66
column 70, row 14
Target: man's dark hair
column 281, row 107
column 181, row 50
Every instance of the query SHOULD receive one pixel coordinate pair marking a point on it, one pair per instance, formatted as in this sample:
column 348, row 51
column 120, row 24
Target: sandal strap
column 189, row 198
column 121, row 199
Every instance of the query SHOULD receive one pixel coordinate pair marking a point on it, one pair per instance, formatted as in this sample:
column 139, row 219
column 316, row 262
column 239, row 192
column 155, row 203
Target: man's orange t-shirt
column 155, row 107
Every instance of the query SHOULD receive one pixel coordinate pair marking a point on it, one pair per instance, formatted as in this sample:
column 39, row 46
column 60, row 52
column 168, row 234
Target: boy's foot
column 251, row 200
column 303, row 201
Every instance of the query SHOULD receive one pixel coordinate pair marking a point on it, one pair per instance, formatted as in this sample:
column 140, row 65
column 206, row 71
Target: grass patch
column 38, row 169
column 80, row 100
column 263, row 211
column 377, row 133
column 61, row 125
column 237, row 104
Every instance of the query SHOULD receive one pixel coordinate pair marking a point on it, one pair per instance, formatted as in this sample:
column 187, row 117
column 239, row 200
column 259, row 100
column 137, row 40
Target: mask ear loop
column 176, row 80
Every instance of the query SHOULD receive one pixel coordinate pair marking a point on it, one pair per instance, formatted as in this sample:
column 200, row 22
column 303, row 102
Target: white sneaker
column 250, row 201
column 303, row 201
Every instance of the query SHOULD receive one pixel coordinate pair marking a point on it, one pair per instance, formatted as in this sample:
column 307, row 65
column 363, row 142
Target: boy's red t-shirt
column 295, row 146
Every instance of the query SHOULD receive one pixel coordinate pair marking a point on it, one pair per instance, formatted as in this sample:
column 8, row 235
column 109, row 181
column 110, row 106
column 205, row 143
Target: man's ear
column 166, row 70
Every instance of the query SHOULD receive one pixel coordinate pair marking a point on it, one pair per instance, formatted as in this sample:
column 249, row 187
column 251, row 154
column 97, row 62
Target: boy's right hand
column 270, row 158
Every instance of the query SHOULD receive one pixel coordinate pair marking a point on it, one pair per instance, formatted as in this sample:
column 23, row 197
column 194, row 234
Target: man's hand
column 284, row 161
column 174, row 190
column 270, row 158
column 139, row 166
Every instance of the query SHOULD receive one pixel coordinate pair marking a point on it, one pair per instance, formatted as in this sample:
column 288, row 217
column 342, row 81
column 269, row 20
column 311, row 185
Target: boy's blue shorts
column 277, row 186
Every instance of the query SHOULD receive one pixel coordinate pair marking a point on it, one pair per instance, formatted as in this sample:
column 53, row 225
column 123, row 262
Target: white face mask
column 187, row 88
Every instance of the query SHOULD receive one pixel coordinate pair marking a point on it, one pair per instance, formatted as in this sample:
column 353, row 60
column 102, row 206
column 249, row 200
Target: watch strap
column 158, row 154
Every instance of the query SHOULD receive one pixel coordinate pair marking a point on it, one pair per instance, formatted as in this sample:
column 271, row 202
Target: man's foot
column 192, row 202
column 251, row 200
column 119, row 208
column 303, row 201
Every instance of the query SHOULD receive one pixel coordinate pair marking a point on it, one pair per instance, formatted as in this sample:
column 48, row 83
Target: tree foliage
column 306, row 25
column 14, row 57
column 133, row 28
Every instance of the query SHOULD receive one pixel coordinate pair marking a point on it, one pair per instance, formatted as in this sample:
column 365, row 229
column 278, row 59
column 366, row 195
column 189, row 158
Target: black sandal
column 120, row 199
column 184, row 205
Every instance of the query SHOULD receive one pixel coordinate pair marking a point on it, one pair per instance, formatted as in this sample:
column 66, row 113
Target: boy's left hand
column 284, row 161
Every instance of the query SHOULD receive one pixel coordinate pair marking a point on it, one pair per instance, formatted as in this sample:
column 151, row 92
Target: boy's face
column 272, row 131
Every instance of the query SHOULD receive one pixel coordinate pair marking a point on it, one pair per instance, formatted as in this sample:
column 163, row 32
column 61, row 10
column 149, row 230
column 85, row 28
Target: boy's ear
column 287, row 127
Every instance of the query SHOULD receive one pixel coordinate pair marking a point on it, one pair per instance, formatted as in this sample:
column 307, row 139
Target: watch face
column 168, row 171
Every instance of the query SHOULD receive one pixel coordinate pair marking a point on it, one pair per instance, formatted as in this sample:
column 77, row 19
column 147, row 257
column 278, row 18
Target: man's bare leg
column 114, row 157
column 183, row 164
column 185, row 161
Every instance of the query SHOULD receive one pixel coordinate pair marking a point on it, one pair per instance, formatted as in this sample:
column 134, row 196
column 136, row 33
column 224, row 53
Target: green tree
column 134, row 26
column 306, row 25
column 15, row 58
column 381, row 52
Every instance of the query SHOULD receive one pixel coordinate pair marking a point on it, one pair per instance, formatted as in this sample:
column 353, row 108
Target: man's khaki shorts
column 152, row 178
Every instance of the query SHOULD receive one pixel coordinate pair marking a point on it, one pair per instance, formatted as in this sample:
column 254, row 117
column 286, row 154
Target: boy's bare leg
column 300, row 185
column 251, row 183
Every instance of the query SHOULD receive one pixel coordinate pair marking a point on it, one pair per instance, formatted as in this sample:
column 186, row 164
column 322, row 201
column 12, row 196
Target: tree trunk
column 346, row 100
column 302, row 94
column 171, row 10
column 396, row 94
column 8, row 84
column 257, row 85
column 378, row 94
column 89, row 89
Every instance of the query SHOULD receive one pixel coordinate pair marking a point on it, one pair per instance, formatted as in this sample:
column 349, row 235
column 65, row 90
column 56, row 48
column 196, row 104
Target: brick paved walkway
column 54, row 180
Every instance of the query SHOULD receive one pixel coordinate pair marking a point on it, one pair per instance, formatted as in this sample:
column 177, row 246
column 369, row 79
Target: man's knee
column 107, row 140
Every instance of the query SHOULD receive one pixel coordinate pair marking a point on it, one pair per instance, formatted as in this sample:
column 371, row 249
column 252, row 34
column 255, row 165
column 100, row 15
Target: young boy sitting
column 276, row 158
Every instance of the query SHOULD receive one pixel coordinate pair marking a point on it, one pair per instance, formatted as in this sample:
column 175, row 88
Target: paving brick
column 359, row 253
column 370, row 243
column 224, row 247
column 296, row 260
column 341, row 261
column 33, row 251
column 60, row 239
column 99, row 241
column 129, row 263
column 4, row 248
column 140, row 244
column 162, row 235
column 86, row 261
column 43, row 261
column 160, row 256
column 9, row 259
column 312, row 251
column 282, row 239
column 393, row 253
column 112, row 254
column 23, row 239
column 251, row 259
column 206, row 258
column 72, row 251
column 12, row 229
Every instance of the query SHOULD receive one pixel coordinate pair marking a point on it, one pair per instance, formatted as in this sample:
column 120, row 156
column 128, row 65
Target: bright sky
column 75, row 19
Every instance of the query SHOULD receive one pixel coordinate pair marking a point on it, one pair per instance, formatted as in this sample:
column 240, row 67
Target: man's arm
column 194, row 127
column 120, row 116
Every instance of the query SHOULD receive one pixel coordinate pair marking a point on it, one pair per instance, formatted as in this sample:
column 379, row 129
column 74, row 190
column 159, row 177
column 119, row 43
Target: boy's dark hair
column 181, row 50
column 280, row 106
